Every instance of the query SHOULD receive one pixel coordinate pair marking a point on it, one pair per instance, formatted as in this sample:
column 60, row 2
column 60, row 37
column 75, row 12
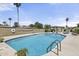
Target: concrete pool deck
column 70, row 46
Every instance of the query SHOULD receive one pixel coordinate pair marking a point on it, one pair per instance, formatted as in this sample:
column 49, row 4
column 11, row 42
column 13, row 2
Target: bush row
column 49, row 30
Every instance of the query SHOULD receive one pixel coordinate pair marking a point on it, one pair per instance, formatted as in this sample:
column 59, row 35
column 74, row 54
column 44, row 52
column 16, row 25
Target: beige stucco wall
column 7, row 31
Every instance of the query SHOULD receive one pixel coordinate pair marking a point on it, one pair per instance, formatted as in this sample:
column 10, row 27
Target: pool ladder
column 58, row 47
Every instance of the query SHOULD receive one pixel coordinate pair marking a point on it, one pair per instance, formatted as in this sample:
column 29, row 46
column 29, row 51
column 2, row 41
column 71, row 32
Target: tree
column 5, row 23
column 17, row 6
column 0, row 24
column 31, row 25
column 76, row 30
column 16, row 24
column 22, row 52
column 38, row 25
column 47, row 26
column 10, row 20
column 77, row 25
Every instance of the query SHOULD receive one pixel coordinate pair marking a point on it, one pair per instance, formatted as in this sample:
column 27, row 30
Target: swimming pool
column 36, row 44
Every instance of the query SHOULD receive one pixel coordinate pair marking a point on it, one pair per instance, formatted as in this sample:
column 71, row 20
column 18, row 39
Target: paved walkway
column 6, row 50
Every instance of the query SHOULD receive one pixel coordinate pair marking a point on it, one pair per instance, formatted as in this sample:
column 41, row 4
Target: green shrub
column 76, row 30
column 22, row 52
column 1, row 40
column 47, row 26
column 64, row 30
column 71, row 30
column 46, row 30
column 52, row 30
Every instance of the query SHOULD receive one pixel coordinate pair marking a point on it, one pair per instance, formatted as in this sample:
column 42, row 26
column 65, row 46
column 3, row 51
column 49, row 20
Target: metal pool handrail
column 58, row 44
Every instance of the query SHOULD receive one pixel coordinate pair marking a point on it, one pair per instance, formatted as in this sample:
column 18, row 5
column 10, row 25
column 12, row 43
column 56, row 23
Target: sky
column 45, row 13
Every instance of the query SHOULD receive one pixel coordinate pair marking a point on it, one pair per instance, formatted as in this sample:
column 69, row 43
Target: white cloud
column 26, row 23
column 72, row 24
column 55, row 21
column 6, row 7
column 61, row 21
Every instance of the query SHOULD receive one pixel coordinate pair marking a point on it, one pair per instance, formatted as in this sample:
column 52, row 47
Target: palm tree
column 78, row 25
column 4, row 23
column 10, row 20
column 67, row 19
column 17, row 6
column 16, row 24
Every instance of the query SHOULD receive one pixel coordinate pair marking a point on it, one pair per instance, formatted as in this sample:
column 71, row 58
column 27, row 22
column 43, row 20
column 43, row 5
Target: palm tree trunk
column 66, row 24
column 18, row 15
column 10, row 23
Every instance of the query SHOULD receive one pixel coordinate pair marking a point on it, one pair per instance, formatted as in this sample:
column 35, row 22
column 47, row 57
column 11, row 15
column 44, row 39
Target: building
column 58, row 28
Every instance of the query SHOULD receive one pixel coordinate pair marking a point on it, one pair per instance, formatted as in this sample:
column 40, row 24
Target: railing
column 58, row 47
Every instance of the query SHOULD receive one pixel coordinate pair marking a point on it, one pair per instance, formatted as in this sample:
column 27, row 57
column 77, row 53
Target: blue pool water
column 36, row 44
